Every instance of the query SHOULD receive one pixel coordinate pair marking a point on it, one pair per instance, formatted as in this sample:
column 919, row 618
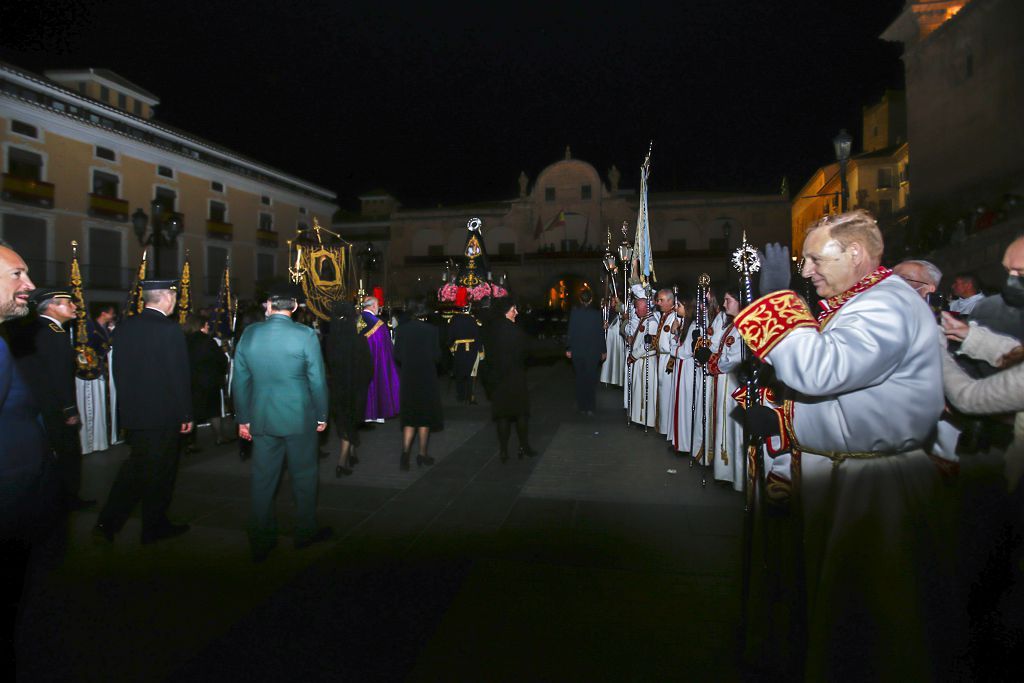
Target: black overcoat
column 351, row 369
column 209, row 366
column 586, row 333
column 151, row 372
column 506, row 348
column 417, row 354
column 463, row 327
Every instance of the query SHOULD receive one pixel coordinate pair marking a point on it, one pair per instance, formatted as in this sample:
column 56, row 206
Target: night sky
column 446, row 103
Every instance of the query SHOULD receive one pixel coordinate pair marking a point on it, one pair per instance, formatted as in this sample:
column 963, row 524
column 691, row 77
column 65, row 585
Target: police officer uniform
column 46, row 359
column 151, row 371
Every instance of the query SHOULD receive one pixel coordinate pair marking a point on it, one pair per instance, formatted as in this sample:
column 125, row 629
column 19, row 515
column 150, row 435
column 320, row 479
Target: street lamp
column 842, row 144
column 164, row 230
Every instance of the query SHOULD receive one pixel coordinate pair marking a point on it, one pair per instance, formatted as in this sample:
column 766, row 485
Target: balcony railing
column 27, row 190
column 220, row 230
column 266, row 238
column 108, row 207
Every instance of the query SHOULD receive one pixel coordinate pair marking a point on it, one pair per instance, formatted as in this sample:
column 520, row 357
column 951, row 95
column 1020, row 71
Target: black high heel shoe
column 424, row 460
column 340, row 470
column 403, row 464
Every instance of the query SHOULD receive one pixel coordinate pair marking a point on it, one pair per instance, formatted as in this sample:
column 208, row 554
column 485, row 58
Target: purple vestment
column 382, row 396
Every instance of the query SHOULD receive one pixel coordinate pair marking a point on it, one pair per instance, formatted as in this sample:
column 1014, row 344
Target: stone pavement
column 589, row 562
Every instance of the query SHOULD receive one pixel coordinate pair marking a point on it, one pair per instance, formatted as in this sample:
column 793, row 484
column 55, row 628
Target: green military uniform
column 280, row 391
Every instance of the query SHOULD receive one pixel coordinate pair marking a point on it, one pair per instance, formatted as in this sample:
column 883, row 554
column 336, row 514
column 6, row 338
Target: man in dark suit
column 586, row 350
column 46, row 359
column 27, row 493
column 280, row 393
column 151, row 372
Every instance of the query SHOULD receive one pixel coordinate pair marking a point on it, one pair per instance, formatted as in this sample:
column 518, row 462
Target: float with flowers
column 469, row 280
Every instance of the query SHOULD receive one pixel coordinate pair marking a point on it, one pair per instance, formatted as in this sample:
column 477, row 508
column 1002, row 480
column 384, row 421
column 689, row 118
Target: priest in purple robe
column 382, row 396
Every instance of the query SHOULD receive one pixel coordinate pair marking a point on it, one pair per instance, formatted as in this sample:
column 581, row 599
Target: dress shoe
column 422, row 460
column 403, row 464
column 104, row 532
column 162, row 533
column 527, row 451
column 324, row 533
column 342, row 470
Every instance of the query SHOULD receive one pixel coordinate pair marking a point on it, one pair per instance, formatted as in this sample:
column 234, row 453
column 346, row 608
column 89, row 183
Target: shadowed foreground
column 589, row 562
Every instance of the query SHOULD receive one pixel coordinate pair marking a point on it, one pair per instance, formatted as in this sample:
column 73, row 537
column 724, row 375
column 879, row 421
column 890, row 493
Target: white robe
column 730, row 454
column 613, row 369
column 91, row 396
column 666, row 388
column 643, row 408
column 874, row 535
column 692, row 418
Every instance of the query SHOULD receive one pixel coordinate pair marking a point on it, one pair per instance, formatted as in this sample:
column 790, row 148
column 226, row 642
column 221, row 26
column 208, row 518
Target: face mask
column 1013, row 291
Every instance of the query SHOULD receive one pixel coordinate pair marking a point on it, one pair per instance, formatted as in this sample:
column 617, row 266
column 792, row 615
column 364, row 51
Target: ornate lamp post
column 842, row 144
column 164, row 229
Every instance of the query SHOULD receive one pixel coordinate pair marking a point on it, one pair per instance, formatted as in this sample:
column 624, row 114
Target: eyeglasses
column 916, row 282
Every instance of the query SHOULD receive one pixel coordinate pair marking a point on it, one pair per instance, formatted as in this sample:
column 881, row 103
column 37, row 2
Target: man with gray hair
column 923, row 276
column 382, row 396
column 151, row 372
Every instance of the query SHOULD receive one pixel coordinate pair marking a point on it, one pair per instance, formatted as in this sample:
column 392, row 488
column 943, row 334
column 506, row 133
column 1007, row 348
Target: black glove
column 702, row 355
column 758, row 420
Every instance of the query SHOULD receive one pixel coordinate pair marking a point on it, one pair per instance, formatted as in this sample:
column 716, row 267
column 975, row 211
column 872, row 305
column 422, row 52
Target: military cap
column 41, row 294
column 150, row 285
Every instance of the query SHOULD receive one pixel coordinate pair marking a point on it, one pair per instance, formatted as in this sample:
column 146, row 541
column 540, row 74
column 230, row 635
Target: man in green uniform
column 280, row 404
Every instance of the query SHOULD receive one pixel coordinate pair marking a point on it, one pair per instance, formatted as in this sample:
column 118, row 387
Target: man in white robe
column 665, row 301
column 642, row 362
column 865, row 396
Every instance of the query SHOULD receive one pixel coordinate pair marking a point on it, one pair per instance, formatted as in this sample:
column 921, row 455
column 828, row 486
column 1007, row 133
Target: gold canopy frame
column 319, row 267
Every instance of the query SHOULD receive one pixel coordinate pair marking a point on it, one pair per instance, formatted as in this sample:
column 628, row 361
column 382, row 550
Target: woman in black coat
column 209, row 368
column 505, row 349
column 417, row 353
column 351, row 369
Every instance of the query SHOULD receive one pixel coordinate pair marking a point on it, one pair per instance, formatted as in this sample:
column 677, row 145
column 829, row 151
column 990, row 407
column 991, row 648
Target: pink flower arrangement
column 448, row 292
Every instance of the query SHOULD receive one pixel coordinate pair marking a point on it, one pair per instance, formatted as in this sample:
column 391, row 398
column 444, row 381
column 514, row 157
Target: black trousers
column 147, row 475
column 588, row 372
column 65, row 443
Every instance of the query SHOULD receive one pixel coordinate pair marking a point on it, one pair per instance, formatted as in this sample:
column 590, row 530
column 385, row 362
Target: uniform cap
column 41, row 294
column 151, row 285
